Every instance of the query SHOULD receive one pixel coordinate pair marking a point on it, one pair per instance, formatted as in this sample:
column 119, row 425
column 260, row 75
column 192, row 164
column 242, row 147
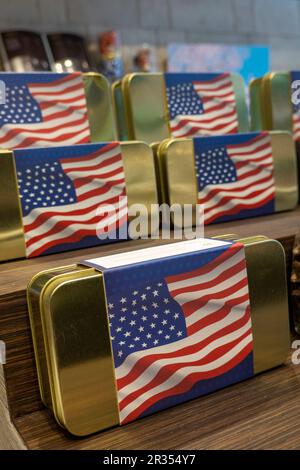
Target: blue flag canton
column 44, row 184
column 19, row 107
column 214, row 166
column 183, row 99
column 144, row 318
column 296, row 108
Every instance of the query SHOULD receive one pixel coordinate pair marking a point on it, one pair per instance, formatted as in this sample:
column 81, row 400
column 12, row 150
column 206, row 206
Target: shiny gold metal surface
column 256, row 105
column 157, row 148
column 176, row 158
column 140, row 177
column 175, row 162
column 36, row 289
column 100, row 107
column 270, row 102
column 119, row 109
column 12, row 243
column 240, row 99
column 276, row 110
column 146, row 106
column 269, row 302
column 139, row 172
column 285, row 171
column 276, row 89
column 158, row 173
column 76, row 347
column 68, row 315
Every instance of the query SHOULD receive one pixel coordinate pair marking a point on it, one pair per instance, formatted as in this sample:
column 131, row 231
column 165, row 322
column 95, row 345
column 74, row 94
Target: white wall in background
column 274, row 22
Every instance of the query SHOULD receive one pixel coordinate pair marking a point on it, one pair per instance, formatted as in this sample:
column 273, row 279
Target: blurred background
column 118, row 36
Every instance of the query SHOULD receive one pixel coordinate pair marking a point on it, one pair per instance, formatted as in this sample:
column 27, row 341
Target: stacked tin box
column 119, row 337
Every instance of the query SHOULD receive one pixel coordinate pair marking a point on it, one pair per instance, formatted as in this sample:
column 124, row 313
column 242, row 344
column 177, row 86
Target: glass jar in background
column 69, row 52
column 24, row 51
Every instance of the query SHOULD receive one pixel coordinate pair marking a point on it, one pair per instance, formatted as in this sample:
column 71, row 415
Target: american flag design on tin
column 43, row 109
column 61, row 191
column 235, row 176
column 201, row 104
column 180, row 328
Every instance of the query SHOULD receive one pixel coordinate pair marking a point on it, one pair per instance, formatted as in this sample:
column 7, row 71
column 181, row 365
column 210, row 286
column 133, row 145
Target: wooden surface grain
column 9, row 436
column 15, row 275
column 241, row 416
column 260, row 413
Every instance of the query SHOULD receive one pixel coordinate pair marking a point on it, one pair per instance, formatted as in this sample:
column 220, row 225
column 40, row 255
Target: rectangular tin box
column 271, row 101
column 43, row 89
column 263, row 176
column 274, row 103
column 69, row 320
column 136, row 163
column 149, row 113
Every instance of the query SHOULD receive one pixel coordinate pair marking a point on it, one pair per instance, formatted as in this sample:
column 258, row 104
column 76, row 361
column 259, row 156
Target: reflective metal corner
column 100, row 107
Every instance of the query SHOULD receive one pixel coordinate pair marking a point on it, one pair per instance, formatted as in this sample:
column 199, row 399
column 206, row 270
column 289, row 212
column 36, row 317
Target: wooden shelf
column 261, row 413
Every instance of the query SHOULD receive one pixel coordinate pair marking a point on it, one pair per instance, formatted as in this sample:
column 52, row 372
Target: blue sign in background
column 250, row 61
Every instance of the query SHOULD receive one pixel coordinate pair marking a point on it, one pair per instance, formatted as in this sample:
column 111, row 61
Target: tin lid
column 276, row 89
column 141, row 187
column 35, row 289
column 100, row 107
column 139, row 169
column 78, row 351
column 266, row 270
column 146, row 106
column 12, row 243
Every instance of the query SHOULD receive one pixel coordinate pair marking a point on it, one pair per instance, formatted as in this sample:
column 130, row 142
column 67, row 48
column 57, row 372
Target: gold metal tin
column 77, row 381
column 176, row 166
column 146, row 110
column 256, row 105
column 272, row 107
column 12, row 243
column 71, row 341
column 99, row 107
column 141, row 188
column 271, row 102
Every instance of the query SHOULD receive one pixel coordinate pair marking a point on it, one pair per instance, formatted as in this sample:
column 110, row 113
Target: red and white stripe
column 296, row 127
column 220, row 115
column 255, row 181
column 99, row 183
column 215, row 302
column 64, row 112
